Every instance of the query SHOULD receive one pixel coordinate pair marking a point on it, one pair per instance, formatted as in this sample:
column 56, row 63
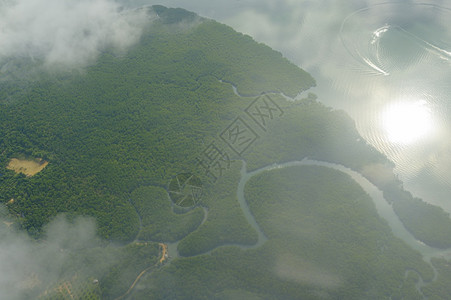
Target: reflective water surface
column 388, row 64
column 405, row 49
column 384, row 209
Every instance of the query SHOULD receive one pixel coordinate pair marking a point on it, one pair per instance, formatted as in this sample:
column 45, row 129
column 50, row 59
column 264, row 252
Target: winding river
column 384, row 209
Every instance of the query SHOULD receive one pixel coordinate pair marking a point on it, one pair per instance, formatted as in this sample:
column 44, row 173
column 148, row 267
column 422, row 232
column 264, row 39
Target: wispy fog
column 28, row 267
column 309, row 33
column 68, row 32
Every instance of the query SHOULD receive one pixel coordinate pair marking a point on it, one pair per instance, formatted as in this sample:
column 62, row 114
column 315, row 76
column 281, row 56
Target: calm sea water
column 387, row 64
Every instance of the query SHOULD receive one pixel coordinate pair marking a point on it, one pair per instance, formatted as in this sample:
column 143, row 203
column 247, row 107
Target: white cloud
column 69, row 32
column 293, row 268
column 28, row 267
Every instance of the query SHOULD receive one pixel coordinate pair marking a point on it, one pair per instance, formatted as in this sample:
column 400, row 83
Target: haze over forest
column 124, row 172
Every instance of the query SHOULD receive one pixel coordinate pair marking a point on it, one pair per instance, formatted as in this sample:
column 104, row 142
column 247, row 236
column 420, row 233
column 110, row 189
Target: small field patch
column 27, row 167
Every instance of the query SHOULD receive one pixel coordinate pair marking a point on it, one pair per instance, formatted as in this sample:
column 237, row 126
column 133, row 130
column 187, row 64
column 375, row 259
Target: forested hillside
column 130, row 121
column 125, row 139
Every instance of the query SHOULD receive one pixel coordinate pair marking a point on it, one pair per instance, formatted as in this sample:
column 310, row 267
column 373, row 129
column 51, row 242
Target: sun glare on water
column 407, row 122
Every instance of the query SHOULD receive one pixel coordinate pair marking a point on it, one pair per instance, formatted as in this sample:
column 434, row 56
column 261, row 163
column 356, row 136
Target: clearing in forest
column 27, row 167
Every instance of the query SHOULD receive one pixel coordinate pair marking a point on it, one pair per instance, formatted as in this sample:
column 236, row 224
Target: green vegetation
column 236, row 294
column 185, row 190
column 74, row 289
column 250, row 66
column 129, row 121
column 409, row 290
column 334, row 224
column 116, row 133
column 440, row 288
column 115, row 268
column 225, row 224
column 325, row 241
column 310, row 129
column 130, row 262
column 98, row 272
column 428, row 223
column 159, row 222
column 142, row 118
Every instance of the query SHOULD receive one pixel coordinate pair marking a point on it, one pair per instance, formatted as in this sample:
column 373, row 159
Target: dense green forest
column 225, row 223
column 310, row 129
column 325, row 241
column 129, row 121
column 90, row 273
column 116, row 133
column 159, row 222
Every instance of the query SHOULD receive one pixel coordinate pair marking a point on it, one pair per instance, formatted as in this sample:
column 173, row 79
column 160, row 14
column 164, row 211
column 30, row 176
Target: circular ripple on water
column 393, row 37
column 403, row 54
